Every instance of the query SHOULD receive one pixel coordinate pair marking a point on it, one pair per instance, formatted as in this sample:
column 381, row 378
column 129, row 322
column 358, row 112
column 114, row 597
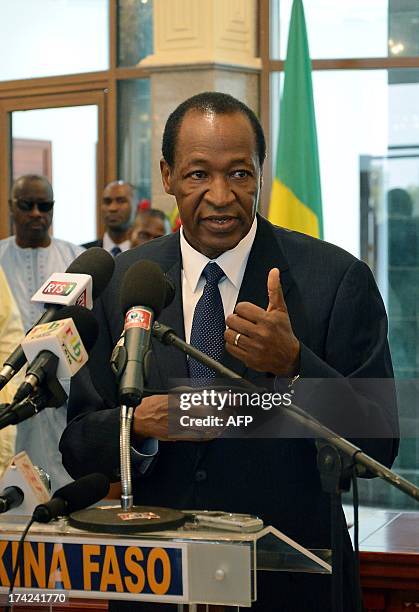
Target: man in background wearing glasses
column 28, row 258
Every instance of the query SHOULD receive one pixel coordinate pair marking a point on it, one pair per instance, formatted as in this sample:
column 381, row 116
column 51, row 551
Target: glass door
column 60, row 137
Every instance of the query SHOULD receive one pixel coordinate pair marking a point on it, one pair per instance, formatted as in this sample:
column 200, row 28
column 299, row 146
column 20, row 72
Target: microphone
column 118, row 356
column 53, row 397
column 96, row 263
column 72, row 497
column 143, row 296
column 57, row 349
column 10, row 497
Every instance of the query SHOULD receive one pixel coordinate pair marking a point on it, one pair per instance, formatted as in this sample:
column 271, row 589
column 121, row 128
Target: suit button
column 200, row 475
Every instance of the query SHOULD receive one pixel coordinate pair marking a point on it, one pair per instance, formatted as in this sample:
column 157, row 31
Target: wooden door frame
column 48, row 98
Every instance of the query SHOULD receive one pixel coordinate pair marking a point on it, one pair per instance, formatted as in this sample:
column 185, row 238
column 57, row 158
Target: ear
column 166, row 176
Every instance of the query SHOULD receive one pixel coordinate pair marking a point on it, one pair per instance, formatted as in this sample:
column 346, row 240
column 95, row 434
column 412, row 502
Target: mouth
column 113, row 220
column 220, row 223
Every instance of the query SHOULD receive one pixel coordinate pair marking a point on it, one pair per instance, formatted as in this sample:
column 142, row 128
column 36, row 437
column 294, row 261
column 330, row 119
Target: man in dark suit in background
column 117, row 214
column 294, row 305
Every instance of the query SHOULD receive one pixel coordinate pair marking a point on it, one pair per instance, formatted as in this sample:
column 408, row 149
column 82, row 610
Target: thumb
column 275, row 295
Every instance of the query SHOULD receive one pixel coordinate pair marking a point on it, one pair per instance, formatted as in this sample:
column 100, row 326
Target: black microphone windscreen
column 96, row 262
column 85, row 322
column 144, row 284
column 84, row 492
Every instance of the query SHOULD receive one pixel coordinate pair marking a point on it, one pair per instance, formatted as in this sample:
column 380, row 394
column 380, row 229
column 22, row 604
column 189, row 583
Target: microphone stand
column 337, row 458
column 126, row 416
column 126, row 517
column 166, row 335
column 118, row 364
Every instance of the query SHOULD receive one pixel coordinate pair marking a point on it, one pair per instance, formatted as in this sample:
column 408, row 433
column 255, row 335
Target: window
column 53, row 37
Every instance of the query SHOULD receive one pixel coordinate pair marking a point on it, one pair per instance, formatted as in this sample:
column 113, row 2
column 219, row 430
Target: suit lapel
column 171, row 362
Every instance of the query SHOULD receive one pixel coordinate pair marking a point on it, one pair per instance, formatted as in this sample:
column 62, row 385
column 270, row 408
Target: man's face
column 146, row 228
column 216, row 180
column 30, row 222
column 117, row 206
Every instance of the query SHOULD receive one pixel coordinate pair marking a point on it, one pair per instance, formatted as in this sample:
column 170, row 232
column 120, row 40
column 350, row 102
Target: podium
column 189, row 565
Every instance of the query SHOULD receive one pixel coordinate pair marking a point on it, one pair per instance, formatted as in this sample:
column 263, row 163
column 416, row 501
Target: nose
column 113, row 205
column 35, row 212
column 219, row 192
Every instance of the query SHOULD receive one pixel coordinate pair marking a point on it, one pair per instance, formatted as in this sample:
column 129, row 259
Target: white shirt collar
column 108, row 243
column 232, row 262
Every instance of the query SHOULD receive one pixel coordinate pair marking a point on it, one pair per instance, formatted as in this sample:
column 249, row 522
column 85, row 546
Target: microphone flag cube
column 62, row 339
column 66, row 289
column 22, row 473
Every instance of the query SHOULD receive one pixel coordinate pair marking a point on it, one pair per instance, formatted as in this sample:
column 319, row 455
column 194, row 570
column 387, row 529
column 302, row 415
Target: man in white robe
column 28, row 258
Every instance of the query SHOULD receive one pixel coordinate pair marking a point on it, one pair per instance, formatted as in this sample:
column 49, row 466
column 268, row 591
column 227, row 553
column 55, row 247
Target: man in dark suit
column 294, row 306
column 117, row 213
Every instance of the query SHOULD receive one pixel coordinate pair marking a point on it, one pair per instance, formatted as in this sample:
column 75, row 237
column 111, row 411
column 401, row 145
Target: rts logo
column 138, row 317
column 59, row 288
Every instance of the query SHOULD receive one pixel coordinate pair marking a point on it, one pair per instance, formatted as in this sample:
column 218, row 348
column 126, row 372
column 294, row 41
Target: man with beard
column 28, row 259
column 117, row 210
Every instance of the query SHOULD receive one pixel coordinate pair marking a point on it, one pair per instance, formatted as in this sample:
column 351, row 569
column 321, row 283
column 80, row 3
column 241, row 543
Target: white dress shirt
column 233, row 264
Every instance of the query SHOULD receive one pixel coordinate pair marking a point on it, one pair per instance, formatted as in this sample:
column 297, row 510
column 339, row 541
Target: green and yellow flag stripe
column 296, row 201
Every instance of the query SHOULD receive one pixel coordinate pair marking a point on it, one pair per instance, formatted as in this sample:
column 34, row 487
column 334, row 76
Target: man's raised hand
column 264, row 339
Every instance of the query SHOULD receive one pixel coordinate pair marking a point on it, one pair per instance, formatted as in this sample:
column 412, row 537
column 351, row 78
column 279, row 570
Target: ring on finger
column 236, row 339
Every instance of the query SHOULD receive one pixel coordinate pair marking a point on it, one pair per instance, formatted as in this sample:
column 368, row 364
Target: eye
column 240, row 174
column 197, row 174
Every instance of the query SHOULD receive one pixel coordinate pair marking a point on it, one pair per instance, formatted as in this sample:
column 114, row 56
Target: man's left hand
column 266, row 342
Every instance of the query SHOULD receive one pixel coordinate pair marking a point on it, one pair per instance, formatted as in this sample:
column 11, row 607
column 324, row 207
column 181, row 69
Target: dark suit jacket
column 89, row 245
column 337, row 314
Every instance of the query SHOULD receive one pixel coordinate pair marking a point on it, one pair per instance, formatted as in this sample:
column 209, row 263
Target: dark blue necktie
column 208, row 324
column 115, row 251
